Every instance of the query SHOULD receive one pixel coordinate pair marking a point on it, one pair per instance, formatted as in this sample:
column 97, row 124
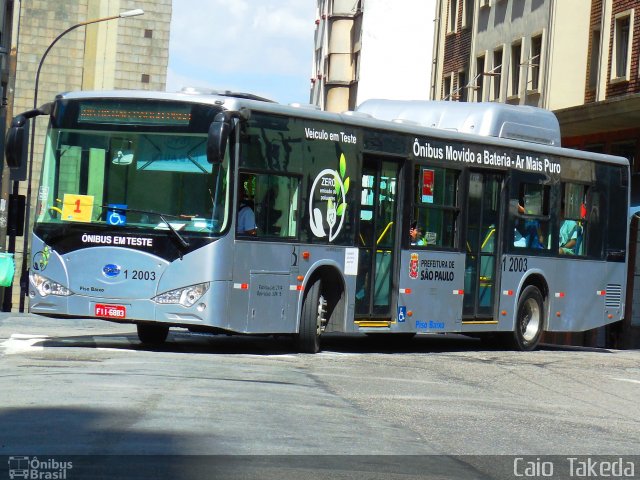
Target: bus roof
column 529, row 124
column 516, row 126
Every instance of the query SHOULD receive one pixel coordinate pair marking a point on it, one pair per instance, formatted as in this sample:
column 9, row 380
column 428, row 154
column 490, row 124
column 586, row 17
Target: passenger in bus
column 569, row 234
column 533, row 235
column 415, row 233
column 518, row 240
column 246, row 216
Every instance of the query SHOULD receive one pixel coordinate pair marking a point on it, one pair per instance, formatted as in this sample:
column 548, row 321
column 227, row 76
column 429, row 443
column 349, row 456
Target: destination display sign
column 134, row 113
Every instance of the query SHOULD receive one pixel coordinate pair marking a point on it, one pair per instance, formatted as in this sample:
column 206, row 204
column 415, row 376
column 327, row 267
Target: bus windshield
column 130, row 178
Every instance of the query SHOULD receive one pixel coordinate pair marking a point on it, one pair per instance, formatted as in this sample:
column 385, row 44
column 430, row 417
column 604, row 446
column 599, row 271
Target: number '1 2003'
column 514, row 264
column 140, row 274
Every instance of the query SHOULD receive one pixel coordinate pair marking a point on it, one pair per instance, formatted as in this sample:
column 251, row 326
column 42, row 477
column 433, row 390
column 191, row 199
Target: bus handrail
column 486, row 239
column 384, row 232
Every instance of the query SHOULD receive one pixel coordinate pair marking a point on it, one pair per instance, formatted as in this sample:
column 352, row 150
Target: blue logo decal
column 116, row 214
column 111, row 270
column 430, row 325
column 402, row 314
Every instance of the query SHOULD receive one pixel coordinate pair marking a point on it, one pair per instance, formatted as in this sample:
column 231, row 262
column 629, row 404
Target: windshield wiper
column 181, row 240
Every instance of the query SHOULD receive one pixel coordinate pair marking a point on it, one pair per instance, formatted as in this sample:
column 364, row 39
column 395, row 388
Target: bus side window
column 436, row 206
column 276, row 205
column 529, row 212
column 573, row 220
column 594, row 228
column 532, row 217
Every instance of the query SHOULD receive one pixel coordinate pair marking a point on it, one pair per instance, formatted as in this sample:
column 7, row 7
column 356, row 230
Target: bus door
column 376, row 237
column 481, row 234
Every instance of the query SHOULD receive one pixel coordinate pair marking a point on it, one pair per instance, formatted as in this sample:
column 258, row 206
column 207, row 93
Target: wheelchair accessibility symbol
column 402, row 314
column 116, row 214
column 116, row 219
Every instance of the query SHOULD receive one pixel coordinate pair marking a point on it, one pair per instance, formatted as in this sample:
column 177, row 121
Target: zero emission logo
column 329, row 201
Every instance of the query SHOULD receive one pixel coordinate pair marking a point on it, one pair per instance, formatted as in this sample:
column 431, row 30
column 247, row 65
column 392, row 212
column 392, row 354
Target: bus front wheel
column 530, row 319
column 152, row 334
column 314, row 310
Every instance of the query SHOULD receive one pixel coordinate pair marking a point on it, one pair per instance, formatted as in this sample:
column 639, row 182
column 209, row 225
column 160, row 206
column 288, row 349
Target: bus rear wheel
column 152, row 334
column 530, row 319
column 313, row 317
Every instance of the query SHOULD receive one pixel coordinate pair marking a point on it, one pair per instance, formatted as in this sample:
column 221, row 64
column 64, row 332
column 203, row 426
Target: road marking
column 21, row 343
column 629, row 380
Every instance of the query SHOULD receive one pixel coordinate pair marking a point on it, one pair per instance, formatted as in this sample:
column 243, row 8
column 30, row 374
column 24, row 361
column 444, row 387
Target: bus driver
column 246, row 216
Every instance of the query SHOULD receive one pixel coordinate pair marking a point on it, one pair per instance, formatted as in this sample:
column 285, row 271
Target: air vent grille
column 613, row 296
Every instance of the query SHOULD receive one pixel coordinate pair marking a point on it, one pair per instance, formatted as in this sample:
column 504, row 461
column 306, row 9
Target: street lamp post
column 23, row 275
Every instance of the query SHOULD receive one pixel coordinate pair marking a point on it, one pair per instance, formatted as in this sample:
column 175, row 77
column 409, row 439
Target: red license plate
column 110, row 311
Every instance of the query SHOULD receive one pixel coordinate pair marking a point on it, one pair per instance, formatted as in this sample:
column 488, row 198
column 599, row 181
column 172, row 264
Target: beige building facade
column 125, row 53
column 526, row 52
column 371, row 49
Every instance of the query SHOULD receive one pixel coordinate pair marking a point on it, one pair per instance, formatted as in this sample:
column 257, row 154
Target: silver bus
column 398, row 218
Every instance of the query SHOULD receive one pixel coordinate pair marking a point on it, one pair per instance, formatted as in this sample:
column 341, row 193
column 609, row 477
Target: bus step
column 373, row 323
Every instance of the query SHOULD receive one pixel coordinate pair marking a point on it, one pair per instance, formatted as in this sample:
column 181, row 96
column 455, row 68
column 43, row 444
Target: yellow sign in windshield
column 77, row 208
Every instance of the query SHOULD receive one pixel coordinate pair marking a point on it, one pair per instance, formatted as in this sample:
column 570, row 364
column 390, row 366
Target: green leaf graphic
column 347, row 182
column 343, row 165
column 341, row 209
column 337, row 183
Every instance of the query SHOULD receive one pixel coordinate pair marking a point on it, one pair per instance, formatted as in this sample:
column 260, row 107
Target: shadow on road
column 186, row 342
column 99, row 443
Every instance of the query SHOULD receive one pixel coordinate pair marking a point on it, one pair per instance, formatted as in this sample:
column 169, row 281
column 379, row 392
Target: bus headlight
column 186, row 296
column 48, row 287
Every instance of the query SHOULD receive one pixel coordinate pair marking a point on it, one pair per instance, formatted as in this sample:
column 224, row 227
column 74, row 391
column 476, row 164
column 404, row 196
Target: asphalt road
column 433, row 407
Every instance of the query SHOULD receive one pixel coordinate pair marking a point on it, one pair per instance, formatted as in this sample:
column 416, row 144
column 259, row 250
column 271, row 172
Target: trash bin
column 7, row 269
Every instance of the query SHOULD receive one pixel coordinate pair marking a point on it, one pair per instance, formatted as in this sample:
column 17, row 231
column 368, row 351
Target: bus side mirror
column 16, row 142
column 18, row 136
column 218, row 138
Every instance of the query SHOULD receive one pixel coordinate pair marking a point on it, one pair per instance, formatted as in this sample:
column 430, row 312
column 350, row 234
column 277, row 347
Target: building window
column 453, row 13
column 496, row 73
column 479, row 83
column 534, row 61
column 467, row 13
column 621, row 62
column 148, row 33
column 145, row 78
column 594, row 59
column 446, row 88
column 461, row 90
column 516, row 60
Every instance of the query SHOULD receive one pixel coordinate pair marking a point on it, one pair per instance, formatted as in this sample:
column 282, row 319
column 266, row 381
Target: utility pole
column 9, row 49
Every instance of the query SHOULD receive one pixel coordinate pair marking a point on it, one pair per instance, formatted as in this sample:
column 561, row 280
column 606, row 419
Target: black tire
column 529, row 320
column 152, row 334
column 311, row 319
